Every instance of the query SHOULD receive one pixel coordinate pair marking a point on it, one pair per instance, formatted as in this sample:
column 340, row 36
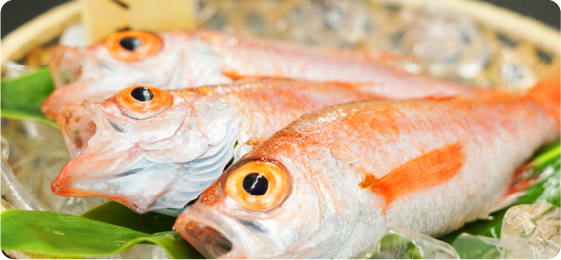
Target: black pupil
column 142, row 94
column 131, row 43
column 255, row 184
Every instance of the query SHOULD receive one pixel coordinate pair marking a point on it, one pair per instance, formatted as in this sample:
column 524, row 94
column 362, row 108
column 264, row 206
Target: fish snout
column 62, row 185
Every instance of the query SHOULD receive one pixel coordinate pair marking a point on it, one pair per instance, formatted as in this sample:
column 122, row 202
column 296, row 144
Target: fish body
column 161, row 153
column 328, row 183
column 178, row 60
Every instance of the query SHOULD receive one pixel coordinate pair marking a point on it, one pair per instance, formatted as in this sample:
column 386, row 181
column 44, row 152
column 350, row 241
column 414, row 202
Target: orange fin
column 233, row 74
column 253, row 142
column 429, row 170
column 547, row 93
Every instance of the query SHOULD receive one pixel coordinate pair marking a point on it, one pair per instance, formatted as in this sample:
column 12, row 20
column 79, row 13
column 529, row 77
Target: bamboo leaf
column 117, row 214
column 56, row 234
column 22, row 97
column 23, row 115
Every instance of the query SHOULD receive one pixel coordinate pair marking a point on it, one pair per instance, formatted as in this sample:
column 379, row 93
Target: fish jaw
column 120, row 176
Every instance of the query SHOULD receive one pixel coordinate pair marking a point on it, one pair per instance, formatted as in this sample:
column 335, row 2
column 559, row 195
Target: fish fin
column 429, row 170
column 387, row 57
column 439, row 98
column 505, row 201
column 254, row 142
column 518, row 183
column 546, row 93
column 233, row 74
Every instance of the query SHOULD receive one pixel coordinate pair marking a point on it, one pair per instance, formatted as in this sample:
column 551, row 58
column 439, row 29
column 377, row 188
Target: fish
column 327, row 184
column 178, row 60
column 156, row 150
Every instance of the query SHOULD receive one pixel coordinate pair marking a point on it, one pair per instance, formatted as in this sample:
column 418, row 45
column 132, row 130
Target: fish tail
column 547, row 93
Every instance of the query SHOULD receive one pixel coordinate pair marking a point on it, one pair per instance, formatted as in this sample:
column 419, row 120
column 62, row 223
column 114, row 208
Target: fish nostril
column 116, row 127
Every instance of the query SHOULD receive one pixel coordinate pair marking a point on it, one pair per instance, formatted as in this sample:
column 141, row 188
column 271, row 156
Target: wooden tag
column 103, row 17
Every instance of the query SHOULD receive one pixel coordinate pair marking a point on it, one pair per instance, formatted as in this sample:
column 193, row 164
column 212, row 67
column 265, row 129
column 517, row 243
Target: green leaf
column 22, row 97
column 23, row 115
column 547, row 189
column 56, row 234
column 26, row 93
column 117, row 214
column 471, row 247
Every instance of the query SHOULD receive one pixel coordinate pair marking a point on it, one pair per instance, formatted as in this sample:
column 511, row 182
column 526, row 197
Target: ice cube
column 537, row 226
column 33, row 154
column 404, row 244
column 336, row 24
column 448, row 44
column 514, row 73
column 528, row 231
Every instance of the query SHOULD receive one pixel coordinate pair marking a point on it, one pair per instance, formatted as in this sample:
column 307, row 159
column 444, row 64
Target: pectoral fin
column 427, row 171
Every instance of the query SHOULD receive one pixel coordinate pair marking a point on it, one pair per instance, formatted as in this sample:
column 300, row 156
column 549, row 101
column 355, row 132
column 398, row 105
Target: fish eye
column 143, row 101
column 132, row 45
column 142, row 94
column 257, row 185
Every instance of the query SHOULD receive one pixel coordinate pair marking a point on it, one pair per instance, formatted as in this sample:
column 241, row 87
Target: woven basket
column 531, row 35
column 51, row 24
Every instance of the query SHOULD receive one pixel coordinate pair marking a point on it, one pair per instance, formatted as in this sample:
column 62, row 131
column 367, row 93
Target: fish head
column 270, row 207
column 122, row 59
column 146, row 148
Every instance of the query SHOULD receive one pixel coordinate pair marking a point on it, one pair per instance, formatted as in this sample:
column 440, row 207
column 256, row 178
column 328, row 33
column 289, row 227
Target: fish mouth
column 66, row 65
column 205, row 237
column 89, row 176
column 216, row 235
column 78, row 127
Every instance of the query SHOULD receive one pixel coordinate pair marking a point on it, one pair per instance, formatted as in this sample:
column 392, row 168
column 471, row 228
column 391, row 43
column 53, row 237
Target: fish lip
column 192, row 226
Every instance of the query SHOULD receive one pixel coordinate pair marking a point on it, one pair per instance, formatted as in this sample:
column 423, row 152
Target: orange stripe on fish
column 429, row 170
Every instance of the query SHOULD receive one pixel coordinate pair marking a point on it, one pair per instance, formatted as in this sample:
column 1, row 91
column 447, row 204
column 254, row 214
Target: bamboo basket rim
column 53, row 22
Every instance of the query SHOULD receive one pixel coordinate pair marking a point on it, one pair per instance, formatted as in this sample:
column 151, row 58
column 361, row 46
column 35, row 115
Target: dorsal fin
column 429, row 170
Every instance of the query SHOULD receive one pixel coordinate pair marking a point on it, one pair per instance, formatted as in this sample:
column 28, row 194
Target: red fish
column 151, row 149
column 177, row 60
column 325, row 185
